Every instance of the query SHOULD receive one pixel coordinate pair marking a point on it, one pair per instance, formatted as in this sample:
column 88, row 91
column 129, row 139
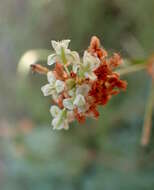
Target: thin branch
column 148, row 118
column 131, row 69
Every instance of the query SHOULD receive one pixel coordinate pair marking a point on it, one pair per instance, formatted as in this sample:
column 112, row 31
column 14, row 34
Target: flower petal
column 54, row 110
column 51, row 77
column 58, row 45
column 47, row 89
column 54, row 44
column 90, row 60
column 68, row 103
column 65, row 43
column 90, row 75
column 71, row 92
column 83, row 89
column 58, row 124
column 52, row 59
column 79, row 100
column 59, row 86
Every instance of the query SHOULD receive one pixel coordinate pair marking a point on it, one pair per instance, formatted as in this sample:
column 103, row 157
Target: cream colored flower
column 90, row 63
column 54, row 87
column 62, row 53
column 78, row 98
column 61, row 118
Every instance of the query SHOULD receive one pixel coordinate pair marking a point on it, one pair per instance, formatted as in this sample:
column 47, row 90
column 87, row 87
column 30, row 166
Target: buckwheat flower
column 90, row 63
column 76, row 102
column 79, row 86
column 62, row 53
column 54, row 87
column 83, row 89
column 78, row 98
column 60, row 120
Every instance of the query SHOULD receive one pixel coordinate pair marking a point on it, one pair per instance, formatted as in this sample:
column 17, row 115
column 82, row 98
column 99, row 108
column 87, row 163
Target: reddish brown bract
column 108, row 82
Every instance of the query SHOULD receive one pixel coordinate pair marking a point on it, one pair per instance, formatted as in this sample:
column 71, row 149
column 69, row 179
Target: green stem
column 131, row 69
column 148, row 118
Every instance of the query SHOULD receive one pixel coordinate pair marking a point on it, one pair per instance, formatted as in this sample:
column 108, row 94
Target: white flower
column 68, row 103
column 77, row 99
column 62, row 53
column 54, row 110
column 83, row 89
column 75, row 61
column 90, row 63
column 60, row 118
column 54, row 87
column 58, row 45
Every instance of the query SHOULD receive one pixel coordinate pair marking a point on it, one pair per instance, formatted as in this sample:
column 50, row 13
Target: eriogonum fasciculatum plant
column 79, row 85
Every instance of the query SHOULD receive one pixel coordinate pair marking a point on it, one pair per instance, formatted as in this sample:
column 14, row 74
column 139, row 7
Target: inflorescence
column 78, row 86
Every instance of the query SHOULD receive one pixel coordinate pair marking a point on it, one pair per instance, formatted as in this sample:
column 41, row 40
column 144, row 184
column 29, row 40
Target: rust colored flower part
column 96, row 49
column 79, row 116
column 39, row 69
column 60, row 72
column 108, row 83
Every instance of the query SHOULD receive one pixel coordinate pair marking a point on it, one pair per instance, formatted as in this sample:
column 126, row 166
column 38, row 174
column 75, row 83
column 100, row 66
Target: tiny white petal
column 76, row 57
column 59, row 85
column 55, row 122
column 75, row 68
column 54, row 44
column 70, row 116
column 65, row 125
column 90, row 75
column 54, row 110
column 68, row 103
column 65, row 43
column 71, row 92
column 82, row 109
column 51, row 77
column 51, row 59
column 58, row 45
column 47, row 89
column 90, row 60
column 62, row 125
column 83, row 89
column 55, row 96
column 79, row 100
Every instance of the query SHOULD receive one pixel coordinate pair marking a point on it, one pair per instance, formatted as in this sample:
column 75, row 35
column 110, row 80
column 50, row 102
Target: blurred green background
column 103, row 154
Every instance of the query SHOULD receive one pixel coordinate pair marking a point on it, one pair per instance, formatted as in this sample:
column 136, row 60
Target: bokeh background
column 103, row 154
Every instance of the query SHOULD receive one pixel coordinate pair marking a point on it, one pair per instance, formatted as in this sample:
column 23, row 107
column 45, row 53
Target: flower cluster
column 78, row 86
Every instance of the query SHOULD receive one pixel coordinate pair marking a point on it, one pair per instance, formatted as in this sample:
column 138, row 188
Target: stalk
column 146, row 132
column 131, row 69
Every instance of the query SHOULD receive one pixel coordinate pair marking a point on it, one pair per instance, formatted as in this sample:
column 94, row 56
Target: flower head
column 79, row 85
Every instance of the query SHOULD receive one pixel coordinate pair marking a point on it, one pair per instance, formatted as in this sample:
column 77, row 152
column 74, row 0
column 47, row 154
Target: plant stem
column 148, row 118
column 131, row 69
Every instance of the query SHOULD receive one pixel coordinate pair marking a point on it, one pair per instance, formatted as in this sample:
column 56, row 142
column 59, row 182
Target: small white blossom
column 90, row 63
column 62, row 44
column 54, row 87
column 54, row 110
column 68, row 103
column 60, row 118
column 83, row 89
column 62, row 53
column 77, row 99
